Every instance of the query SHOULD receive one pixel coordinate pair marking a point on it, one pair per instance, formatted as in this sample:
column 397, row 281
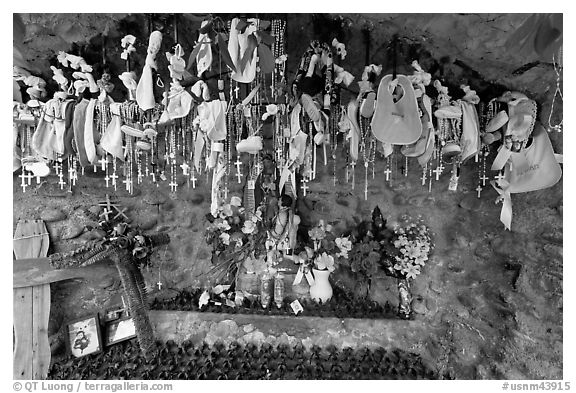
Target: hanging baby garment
column 111, row 141
column 43, row 139
column 353, row 136
column 204, row 56
column 238, row 46
column 419, row 147
column 398, row 122
column 533, row 168
column 79, row 124
column 470, row 138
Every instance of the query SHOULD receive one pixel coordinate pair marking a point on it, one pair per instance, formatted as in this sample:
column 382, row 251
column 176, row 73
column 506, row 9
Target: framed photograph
column 120, row 330
column 83, row 336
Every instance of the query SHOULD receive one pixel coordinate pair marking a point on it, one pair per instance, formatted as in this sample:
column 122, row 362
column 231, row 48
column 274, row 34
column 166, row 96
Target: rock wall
column 494, row 297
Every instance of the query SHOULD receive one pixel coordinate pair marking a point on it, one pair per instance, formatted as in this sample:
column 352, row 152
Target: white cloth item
column 219, row 173
column 353, row 136
column 179, row 103
column 89, row 142
column 204, row 56
column 470, row 139
column 59, row 128
column 112, row 139
column 145, row 89
column 237, row 45
column 213, row 119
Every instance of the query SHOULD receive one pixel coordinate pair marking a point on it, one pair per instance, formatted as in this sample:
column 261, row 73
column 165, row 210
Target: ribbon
column 501, row 158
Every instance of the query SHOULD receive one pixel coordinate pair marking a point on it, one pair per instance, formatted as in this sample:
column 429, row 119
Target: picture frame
column 119, row 330
column 83, row 336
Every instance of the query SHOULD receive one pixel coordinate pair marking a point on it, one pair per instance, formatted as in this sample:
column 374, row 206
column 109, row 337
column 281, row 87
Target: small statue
column 285, row 225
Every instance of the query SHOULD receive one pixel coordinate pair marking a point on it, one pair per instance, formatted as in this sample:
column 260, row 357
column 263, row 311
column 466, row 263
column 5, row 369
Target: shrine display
column 226, row 126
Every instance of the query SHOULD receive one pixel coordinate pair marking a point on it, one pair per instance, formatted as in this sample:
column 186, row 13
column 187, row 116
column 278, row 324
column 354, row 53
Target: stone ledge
column 258, row 329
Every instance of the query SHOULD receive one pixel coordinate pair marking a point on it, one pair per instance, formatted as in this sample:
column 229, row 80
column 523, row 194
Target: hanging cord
column 558, row 91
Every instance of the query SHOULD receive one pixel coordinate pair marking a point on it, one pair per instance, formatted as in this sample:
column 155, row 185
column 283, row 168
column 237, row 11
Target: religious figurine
column 285, row 225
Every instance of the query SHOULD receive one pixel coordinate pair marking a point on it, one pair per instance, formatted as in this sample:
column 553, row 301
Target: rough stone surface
column 52, row 214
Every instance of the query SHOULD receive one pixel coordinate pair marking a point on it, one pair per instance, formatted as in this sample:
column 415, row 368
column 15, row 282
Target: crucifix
column 387, row 172
column 139, row 176
column 238, row 170
column 159, row 284
column 483, row 178
column 147, row 171
column 479, row 189
column 74, row 176
column 424, row 177
column 304, row 187
column 24, row 185
column 185, row 168
column 193, row 179
column 236, row 90
column 173, row 186
column 128, row 183
column 114, row 176
column 62, row 183
column 103, row 161
column 499, row 177
column 107, row 180
column 438, row 171
column 29, row 176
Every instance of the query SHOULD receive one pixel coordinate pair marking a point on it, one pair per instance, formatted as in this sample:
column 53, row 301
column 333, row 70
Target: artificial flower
column 226, row 211
column 344, row 243
column 317, row 233
column 225, row 237
column 324, row 262
column 249, row 227
column 223, row 225
column 235, row 201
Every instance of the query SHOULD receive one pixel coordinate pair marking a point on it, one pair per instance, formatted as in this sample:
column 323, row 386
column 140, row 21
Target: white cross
column 353, row 165
column 173, row 186
column 387, row 172
column 305, row 186
column 107, row 180
column 238, row 170
column 24, row 185
column 159, row 283
column 153, row 177
column 239, row 176
column 114, row 176
column 106, row 213
column 258, row 166
column 479, row 189
column 438, row 171
column 424, row 177
column 94, row 168
column 57, row 166
column 61, row 182
column 236, row 90
column 103, row 161
column 185, row 168
column 193, row 178
column 147, row 171
column 279, row 153
column 499, row 177
column 139, row 177
column 74, row 176
column 29, row 176
column 483, row 178
column 128, row 184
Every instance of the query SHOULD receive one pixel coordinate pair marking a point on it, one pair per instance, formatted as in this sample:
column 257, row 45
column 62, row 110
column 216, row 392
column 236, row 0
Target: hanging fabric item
column 470, row 138
column 179, row 101
column 243, row 45
column 59, row 128
column 204, row 56
column 111, row 141
column 533, row 168
column 427, row 127
column 212, row 119
column 397, row 122
column 219, row 172
column 145, row 89
column 43, row 139
column 90, row 139
column 79, row 123
column 418, row 148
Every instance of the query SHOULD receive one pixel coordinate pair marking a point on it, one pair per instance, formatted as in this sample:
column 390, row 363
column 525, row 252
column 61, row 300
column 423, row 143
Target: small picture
column 83, row 336
column 120, row 330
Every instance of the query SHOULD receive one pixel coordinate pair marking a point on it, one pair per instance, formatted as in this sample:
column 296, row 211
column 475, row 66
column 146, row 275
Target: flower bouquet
column 233, row 238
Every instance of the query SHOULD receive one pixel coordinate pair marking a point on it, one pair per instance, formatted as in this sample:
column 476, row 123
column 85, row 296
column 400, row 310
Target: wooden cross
column 193, row 179
column 238, row 170
column 479, row 189
column 173, row 186
column 106, row 213
column 305, row 187
column 107, row 180
column 483, row 178
column 107, row 203
column 499, row 177
column 29, row 176
column 128, row 184
column 185, row 168
column 24, row 185
column 387, row 172
column 114, row 176
column 438, row 171
column 121, row 213
column 103, row 161
column 61, row 182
